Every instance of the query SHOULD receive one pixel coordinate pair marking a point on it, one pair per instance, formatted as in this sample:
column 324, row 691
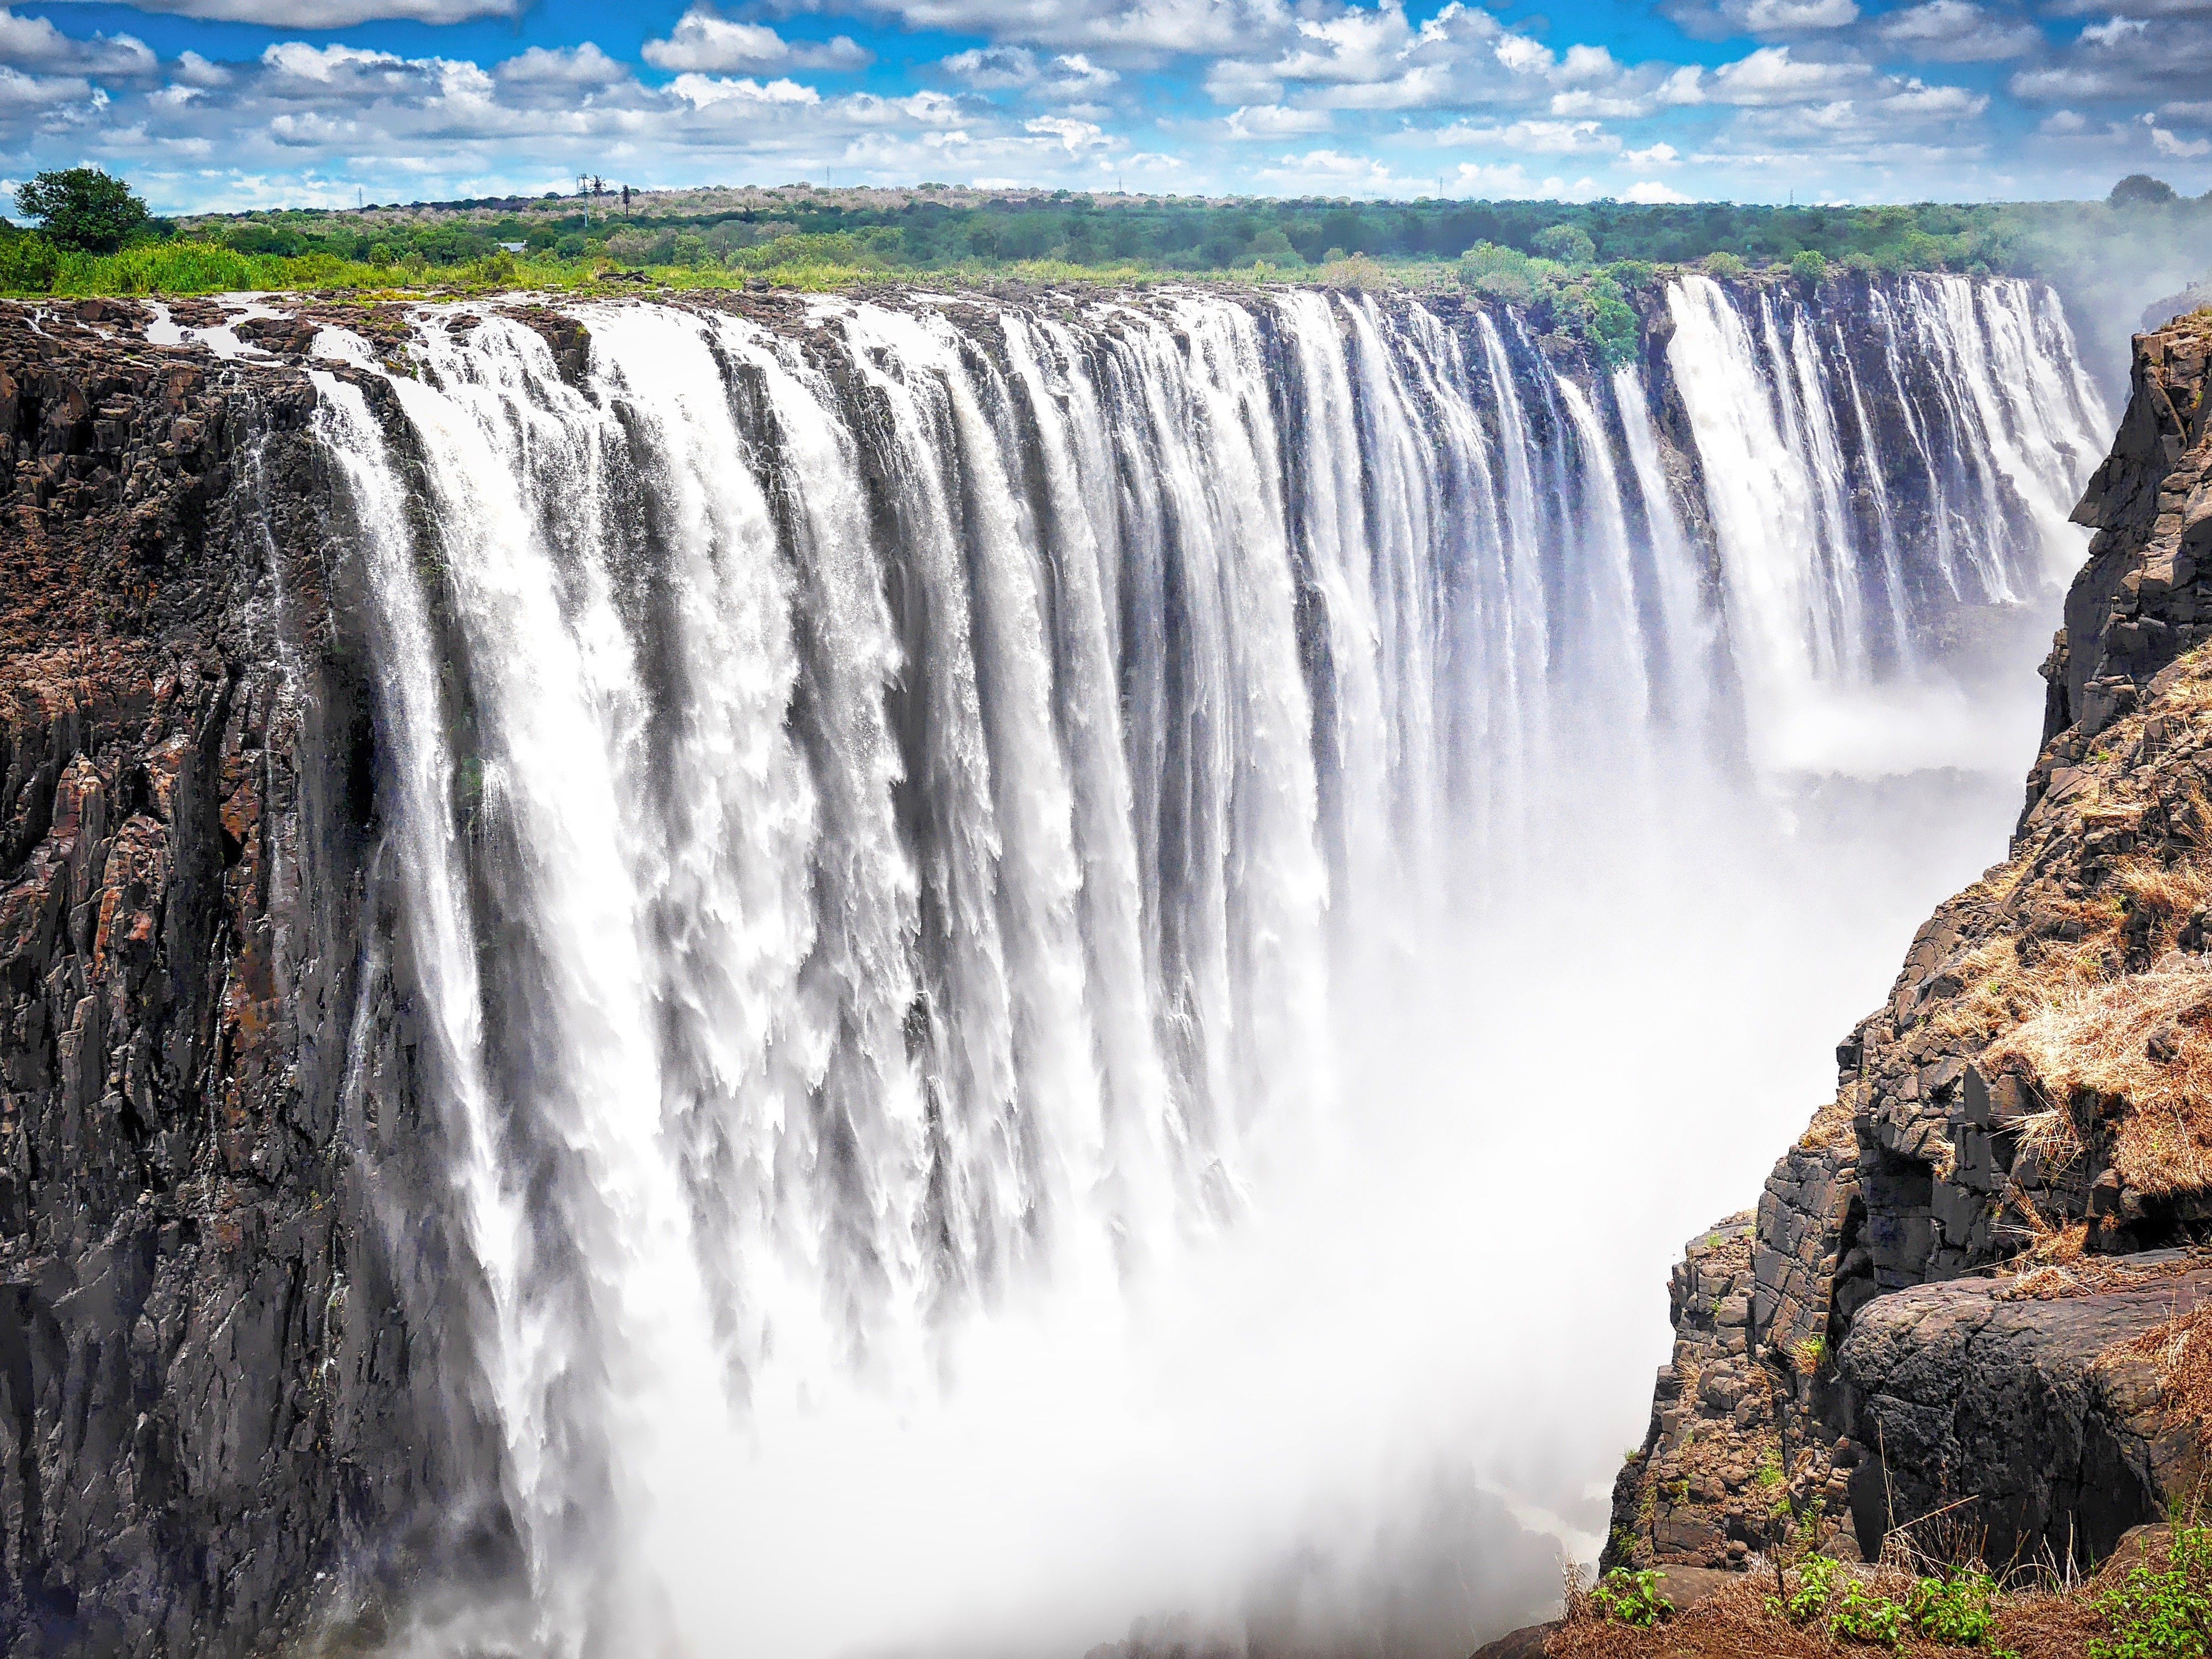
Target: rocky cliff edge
column 1973, row 1305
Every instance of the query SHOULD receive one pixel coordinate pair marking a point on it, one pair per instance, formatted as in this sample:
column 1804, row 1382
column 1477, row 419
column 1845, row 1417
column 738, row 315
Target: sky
column 235, row 104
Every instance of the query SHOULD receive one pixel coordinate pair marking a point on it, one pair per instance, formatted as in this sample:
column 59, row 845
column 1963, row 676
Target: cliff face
column 207, row 1391
column 1960, row 1292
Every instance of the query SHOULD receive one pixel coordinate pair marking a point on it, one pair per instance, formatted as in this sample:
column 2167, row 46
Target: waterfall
column 891, row 803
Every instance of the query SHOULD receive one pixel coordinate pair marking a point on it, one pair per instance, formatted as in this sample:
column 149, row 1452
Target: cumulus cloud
column 1535, row 138
column 34, row 43
column 1957, row 32
column 1651, row 193
column 1771, row 75
column 1275, row 121
column 330, row 14
column 705, row 41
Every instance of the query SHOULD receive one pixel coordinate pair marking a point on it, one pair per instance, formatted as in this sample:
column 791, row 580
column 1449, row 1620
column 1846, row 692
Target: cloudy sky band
column 243, row 103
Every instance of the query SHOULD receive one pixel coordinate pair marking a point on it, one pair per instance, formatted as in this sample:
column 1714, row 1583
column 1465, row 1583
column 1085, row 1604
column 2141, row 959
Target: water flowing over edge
column 881, row 805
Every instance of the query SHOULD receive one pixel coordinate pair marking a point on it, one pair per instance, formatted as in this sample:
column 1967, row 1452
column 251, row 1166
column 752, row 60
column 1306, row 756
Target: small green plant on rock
column 1816, row 1584
column 2162, row 1615
column 1632, row 1598
column 1862, row 1616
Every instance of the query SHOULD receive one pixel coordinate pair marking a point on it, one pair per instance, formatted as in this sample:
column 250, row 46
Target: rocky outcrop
column 2031, row 1402
column 209, row 1396
column 2036, row 1088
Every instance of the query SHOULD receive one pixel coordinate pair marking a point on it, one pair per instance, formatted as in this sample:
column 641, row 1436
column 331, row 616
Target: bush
column 1810, row 267
column 1955, row 1610
column 1862, row 1616
column 29, row 264
column 2140, row 190
column 1632, row 1598
column 1358, row 272
column 1816, row 1585
column 1502, row 273
column 1724, row 263
column 1571, row 245
column 2162, row 1615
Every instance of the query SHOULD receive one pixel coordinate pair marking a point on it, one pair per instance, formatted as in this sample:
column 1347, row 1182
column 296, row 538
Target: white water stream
column 1051, row 934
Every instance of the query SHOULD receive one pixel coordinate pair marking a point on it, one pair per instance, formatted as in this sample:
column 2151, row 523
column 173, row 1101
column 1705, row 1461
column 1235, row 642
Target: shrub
column 1955, row 1610
column 1356, row 272
column 1816, row 1585
column 1632, row 1598
column 1502, row 273
column 28, row 264
column 1862, row 1616
column 1809, row 266
column 1571, row 245
column 2162, row 1615
column 1723, row 263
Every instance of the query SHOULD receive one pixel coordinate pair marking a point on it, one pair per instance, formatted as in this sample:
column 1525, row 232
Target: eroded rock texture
column 206, row 1396
column 2034, row 1098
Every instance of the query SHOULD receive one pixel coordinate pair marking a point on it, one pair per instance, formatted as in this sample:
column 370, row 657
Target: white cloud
column 1074, row 136
column 1651, row 193
column 1958, row 32
column 706, row 91
column 34, row 43
column 991, row 67
column 332, row 14
column 20, row 93
column 1535, row 138
column 1661, row 154
column 2064, row 123
column 703, row 39
column 1771, row 75
column 567, row 67
column 1791, row 16
column 1275, row 121
column 2167, row 143
column 2112, row 32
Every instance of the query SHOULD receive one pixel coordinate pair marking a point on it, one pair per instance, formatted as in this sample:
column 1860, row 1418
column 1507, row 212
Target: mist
column 1128, row 939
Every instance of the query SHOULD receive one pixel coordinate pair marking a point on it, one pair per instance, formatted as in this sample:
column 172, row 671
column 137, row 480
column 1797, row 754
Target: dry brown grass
column 2145, row 1041
column 2179, row 1355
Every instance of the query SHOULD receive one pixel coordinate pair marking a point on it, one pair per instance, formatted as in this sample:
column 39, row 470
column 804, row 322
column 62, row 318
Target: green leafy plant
column 2162, row 1614
column 1862, row 1616
column 1724, row 263
column 1809, row 266
column 29, row 264
column 1815, row 1587
column 1955, row 1609
column 1627, row 1597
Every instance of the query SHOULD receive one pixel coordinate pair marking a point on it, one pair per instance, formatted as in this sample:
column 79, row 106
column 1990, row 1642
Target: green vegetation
column 82, row 208
column 2162, row 1614
column 1816, row 1586
column 1577, row 266
column 1955, row 1609
column 1863, row 1616
column 1632, row 1598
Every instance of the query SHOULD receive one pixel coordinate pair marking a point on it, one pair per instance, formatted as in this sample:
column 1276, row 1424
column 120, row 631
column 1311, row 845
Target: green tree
column 1571, row 245
column 82, row 208
column 2140, row 190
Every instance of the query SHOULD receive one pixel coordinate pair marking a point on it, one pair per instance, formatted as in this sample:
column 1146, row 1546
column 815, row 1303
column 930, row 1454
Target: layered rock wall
column 208, row 1395
column 2031, row 1100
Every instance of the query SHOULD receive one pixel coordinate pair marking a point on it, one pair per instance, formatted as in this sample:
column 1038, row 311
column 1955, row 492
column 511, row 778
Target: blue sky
column 243, row 103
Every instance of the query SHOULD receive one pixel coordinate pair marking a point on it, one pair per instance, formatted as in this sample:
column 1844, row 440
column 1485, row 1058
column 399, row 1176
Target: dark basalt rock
column 1897, row 1385
column 2022, row 1406
column 209, row 1397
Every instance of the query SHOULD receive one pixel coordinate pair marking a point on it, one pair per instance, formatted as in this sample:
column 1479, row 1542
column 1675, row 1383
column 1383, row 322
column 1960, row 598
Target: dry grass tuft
column 2145, row 1041
column 2179, row 1354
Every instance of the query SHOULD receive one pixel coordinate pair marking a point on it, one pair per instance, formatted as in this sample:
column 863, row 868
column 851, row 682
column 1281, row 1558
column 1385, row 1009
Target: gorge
column 660, row 956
